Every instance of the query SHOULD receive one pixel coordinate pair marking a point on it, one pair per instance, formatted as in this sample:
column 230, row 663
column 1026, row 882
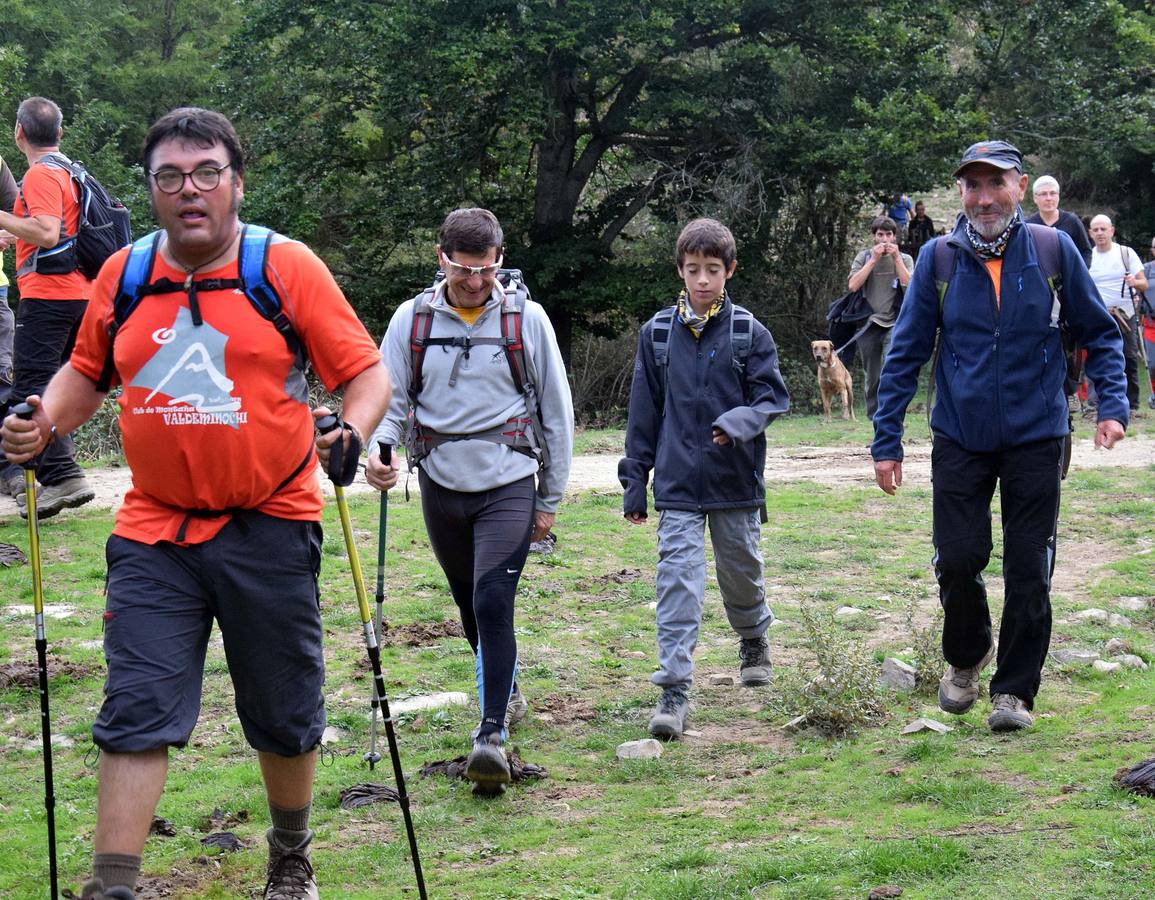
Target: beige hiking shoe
column 66, row 495
column 1010, row 713
column 959, row 688
column 290, row 872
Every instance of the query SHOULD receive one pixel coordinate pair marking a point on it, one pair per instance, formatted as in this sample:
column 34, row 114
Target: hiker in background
column 882, row 272
column 706, row 384
column 53, row 296
column 899, row 212
column 920, row 231
column 1147, row 319
column 492, row 454
column 223, row 518
column 999, row 417
column 1045, row 193
column 8, row 194
column 1119, row 275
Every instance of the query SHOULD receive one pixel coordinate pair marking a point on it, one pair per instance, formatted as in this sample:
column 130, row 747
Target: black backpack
column 103, row 227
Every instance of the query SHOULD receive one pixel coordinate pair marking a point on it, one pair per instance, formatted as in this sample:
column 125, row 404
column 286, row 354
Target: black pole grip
column 23, row 411
column 386, row 452
column 327, row 424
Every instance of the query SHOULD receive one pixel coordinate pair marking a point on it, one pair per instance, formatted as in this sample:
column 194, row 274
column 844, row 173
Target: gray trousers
column 734, row 534
column 873, row 347
column 7, row 330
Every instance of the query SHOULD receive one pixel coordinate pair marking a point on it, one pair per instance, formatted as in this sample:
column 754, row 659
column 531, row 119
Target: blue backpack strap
column 136, row 275
column 251, row 259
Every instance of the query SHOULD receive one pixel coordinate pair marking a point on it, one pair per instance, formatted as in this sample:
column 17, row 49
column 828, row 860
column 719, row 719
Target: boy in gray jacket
column 493, row 455
column 706, row 384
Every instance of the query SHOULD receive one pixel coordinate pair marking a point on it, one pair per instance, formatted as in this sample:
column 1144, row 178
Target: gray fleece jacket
column 482, row 398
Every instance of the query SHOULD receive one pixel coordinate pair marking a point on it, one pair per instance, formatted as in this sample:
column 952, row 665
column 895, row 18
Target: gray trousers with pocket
column 681, row 583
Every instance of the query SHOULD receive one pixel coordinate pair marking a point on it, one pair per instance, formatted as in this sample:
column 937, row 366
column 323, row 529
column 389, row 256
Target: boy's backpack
column 420, row 440
column 741, row 336
column 102, row 227
column 253, row 282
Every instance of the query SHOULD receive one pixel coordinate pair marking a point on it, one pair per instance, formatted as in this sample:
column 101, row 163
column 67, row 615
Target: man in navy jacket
column 1000, row 416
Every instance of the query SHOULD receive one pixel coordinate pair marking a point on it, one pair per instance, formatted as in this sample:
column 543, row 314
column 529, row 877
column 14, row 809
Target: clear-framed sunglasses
column 468, row 271
column 204, row 178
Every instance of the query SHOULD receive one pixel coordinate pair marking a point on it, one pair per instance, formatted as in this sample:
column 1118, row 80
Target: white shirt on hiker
column 1107, row 271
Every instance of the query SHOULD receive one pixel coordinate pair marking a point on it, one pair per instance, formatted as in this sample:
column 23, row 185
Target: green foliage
column 841, row 692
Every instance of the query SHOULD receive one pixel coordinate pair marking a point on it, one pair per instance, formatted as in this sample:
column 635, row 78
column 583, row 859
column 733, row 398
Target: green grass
column 742, row 810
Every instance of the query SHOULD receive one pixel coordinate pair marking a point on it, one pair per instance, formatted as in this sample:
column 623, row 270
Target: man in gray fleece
column 493, row 455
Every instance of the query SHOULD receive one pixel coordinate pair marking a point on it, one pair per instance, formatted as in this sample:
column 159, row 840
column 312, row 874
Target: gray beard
column 995, row 230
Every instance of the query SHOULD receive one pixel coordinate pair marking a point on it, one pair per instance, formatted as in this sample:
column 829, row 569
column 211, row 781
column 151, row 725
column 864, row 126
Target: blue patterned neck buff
column 996, row 248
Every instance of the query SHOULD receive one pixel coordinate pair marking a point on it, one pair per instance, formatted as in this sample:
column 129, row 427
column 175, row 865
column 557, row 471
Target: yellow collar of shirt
column 691, row 319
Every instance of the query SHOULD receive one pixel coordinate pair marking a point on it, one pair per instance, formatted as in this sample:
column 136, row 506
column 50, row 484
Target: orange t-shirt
column 216, row 416
column 49, row 191
column 995, row 270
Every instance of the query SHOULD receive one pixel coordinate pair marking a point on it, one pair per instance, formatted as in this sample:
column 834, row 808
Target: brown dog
column 833, row 379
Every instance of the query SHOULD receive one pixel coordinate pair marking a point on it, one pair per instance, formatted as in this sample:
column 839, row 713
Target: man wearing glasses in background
column 480, row 443
column 223, row 517
column 53, row 297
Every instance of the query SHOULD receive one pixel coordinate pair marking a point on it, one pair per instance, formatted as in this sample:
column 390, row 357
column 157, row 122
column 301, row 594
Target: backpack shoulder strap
column 419, row 331
column 741, row 336
column 1046, row 241
column 512, row 314
column 134, row 278
column 252, row 259
column 512, row 319
column 663, row 323
column 945, row 257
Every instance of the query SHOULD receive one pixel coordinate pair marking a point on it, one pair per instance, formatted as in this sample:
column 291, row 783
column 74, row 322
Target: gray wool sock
column 290, row 826
column 116, row 869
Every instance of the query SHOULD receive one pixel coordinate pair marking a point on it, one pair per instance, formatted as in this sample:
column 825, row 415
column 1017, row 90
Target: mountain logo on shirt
column 188, row 370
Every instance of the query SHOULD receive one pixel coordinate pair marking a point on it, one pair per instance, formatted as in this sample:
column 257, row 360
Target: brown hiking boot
column 1010, row 713
column 290, row 873
column 54, row 497
column 959, row 688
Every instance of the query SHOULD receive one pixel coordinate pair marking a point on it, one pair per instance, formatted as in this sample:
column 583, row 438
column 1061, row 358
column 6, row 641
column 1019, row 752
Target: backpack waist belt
column 516, row 434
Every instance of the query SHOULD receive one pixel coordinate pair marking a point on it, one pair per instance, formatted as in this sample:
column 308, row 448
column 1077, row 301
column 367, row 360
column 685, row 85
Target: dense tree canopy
column 594, row 129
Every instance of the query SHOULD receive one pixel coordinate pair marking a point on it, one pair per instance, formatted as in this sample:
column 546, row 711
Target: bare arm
column 364, row 399
column 900, row 268
column 68, row 402
column 858, row 279
column 43, row 231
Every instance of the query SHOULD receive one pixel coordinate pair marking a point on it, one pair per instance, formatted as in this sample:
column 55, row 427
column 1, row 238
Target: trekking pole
column 325, row 425
column 24, row 411
column 373, row 757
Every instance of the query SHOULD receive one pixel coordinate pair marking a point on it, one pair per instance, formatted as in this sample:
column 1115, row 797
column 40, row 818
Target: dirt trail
column 824, row 465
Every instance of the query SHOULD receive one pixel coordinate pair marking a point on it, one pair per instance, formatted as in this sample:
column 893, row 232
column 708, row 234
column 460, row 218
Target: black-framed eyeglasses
column 469, row 271
column 204, row 178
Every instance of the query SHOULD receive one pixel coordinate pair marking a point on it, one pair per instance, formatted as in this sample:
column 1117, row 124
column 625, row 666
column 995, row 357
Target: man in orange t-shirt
column 53, row 295
column 223, row 519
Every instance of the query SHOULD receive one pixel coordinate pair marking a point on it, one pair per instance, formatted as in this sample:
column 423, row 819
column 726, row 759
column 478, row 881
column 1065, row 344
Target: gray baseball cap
column 999, row 154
